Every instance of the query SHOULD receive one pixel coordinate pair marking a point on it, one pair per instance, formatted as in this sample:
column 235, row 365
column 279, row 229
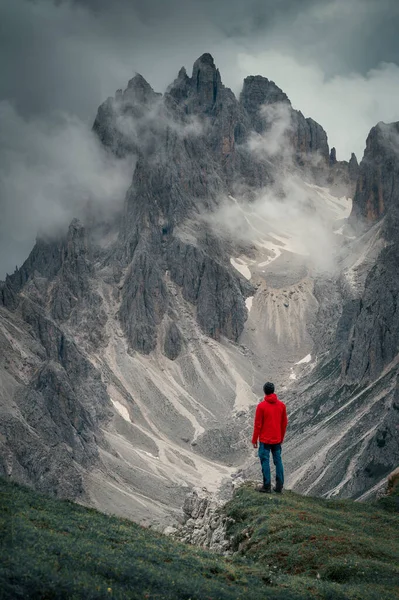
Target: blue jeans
column 264, row 455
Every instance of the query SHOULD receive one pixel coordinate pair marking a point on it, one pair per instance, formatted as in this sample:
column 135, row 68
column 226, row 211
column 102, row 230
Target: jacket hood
column 272, row 398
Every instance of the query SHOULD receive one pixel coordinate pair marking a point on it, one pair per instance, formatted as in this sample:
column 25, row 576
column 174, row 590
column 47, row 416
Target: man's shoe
column 265, row 489
column 278, row 489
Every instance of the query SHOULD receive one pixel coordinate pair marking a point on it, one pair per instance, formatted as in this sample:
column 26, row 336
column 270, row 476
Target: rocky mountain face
column 133, row 352
column 376, row 192
column 354, row 387
column 343, row 174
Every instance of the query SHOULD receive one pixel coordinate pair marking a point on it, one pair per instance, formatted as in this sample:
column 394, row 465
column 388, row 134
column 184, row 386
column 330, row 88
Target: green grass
column 53, row 549
column 352, row 545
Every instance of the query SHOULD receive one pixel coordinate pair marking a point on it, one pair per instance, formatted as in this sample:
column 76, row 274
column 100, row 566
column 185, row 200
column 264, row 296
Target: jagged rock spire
column 378, row 183
column 206, row 80
column 353, row 169
column 140, row 91
column 258, row 90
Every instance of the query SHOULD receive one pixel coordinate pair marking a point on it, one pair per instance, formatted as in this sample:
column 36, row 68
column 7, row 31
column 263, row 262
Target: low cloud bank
column 52, row 170
column 291, row 214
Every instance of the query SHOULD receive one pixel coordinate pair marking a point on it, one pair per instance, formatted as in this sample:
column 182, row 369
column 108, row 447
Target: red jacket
column 270, row 421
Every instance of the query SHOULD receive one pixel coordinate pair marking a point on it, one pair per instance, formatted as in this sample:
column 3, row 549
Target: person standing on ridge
column 269, row 428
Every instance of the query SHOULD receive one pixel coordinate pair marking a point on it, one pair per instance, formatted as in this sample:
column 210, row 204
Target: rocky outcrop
column 51, row 396
column 173, row 342
column 72, row 282
column 207, row 283
column 342, row 175
column 377, row 186
column 144, row 301
column 43, row 262
column 310, row 140
column 205, row 524
column 52, row 401
column 259, row 92
column 353, row 168
column 120, row 121
column 306, row 137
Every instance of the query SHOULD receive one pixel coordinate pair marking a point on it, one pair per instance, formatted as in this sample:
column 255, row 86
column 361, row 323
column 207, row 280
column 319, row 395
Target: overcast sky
column 336, row 59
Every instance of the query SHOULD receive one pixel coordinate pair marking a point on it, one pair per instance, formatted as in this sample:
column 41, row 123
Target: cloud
column 71, row 55
column 145, row 130
column 273, row 142
column 54, row 168
column 51, row 170
column 289, row 215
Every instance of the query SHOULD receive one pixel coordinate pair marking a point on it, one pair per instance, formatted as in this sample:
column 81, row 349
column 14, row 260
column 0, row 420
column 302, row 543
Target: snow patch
column 122, row 410
column 147, row 453
column 339, row 207
column 305, row 359
column 241, row 267
column 248, row 303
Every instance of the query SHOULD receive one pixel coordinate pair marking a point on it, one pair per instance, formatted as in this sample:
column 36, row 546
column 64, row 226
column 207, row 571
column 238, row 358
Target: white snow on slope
column 339, row 207
column 275, row 237
column 122, row 410
column 240, row 265
column 305, row 359
column 248, row 303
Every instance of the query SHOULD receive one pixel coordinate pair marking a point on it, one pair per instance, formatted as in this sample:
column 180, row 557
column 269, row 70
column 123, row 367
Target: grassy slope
column 54, row 549
column 352, row 545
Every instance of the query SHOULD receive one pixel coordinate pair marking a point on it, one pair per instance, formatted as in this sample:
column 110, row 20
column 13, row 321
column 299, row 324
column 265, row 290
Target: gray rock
column 205, row 524
column 306, row 136
column 376, row 190
column 353, row 168
column 259, row 91
column 173, row 342
column 144, row 301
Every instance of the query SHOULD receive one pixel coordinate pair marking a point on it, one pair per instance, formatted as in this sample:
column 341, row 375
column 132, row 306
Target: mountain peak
column 378, row 183
column 182, row 73
column 205, row 67
column 206, row 59
column 206, row 80
column 258, row 90
column 138, row 81
column 139, row 90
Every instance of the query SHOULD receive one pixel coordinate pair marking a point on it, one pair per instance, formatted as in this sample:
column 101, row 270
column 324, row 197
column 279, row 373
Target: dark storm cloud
column 336, row 59
column 69, row 55
column 353, row 35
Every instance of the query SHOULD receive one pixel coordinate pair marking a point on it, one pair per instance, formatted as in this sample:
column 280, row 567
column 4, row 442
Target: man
column 269, row 428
